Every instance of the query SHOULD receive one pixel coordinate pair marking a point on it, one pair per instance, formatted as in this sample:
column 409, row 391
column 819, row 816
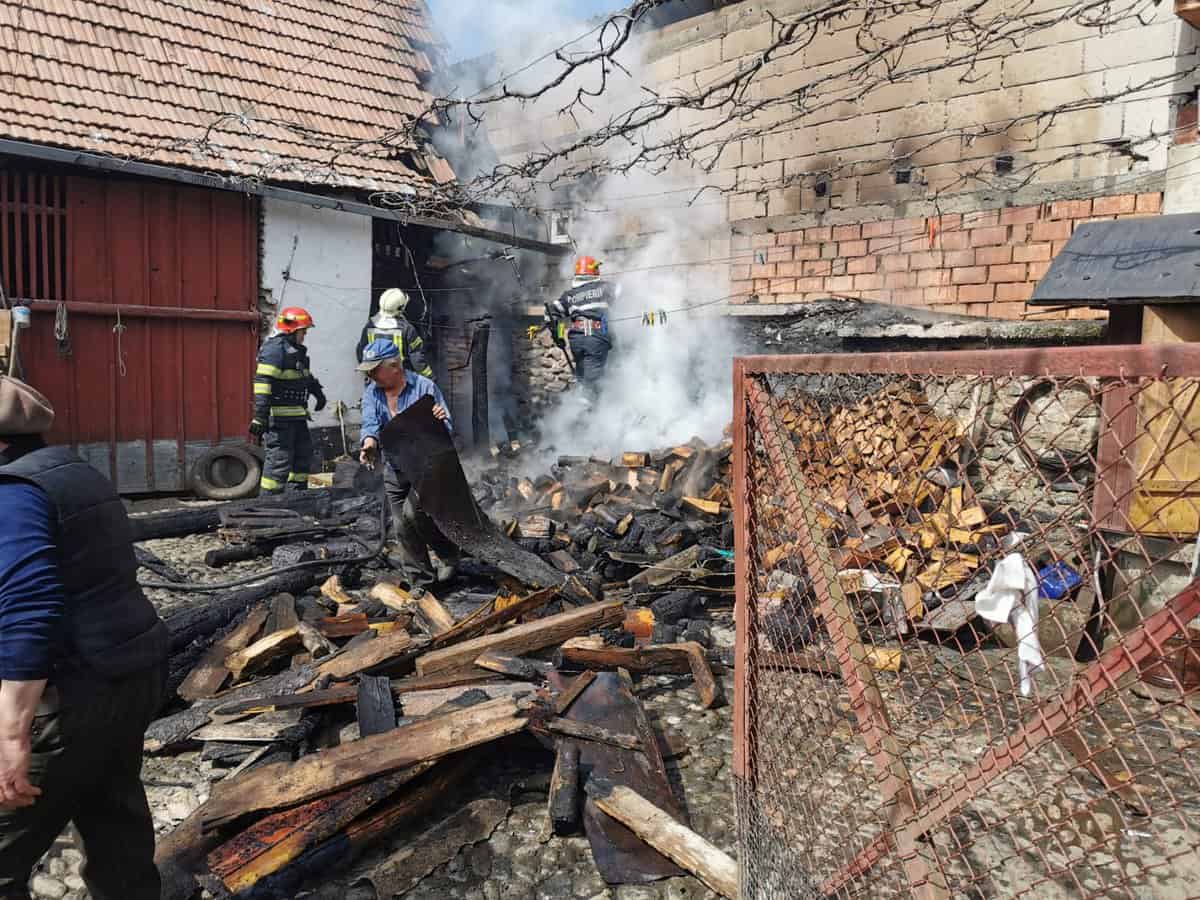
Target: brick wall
column 782, row 187
column 983, row 263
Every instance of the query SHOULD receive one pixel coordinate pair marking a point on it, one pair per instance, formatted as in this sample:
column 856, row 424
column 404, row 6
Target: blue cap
column 378, row 351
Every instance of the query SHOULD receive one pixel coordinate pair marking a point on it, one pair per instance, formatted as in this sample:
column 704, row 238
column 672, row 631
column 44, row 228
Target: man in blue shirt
column 82, row 663
column 390, row 391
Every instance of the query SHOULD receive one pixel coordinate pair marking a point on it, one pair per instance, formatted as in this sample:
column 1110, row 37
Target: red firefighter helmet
column 587, row 265
column 293, row 319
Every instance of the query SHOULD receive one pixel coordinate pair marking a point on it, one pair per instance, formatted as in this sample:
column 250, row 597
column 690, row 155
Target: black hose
column 193, row 587
column 1057, row 462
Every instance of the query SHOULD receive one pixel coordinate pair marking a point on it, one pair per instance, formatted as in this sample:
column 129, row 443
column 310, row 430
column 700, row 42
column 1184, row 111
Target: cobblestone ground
column 522, row 859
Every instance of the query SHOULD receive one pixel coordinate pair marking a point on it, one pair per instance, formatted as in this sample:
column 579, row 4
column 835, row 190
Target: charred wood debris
column 345, row 702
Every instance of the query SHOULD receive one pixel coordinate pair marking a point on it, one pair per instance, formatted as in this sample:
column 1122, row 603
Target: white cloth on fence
column 1012, row 596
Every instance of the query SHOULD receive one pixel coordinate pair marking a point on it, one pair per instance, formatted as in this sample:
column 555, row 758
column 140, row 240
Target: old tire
column 227, row 472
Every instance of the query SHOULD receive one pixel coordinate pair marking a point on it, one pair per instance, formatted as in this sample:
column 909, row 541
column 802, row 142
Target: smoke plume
column 665, row 248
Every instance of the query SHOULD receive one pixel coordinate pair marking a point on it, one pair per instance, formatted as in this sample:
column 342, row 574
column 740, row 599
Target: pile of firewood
column 885, row 477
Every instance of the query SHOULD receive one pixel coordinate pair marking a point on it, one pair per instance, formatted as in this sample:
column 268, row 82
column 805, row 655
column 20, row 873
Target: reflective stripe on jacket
column 282, row 380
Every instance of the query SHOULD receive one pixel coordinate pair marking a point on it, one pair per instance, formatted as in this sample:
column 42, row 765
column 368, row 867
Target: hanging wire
column 119, row 331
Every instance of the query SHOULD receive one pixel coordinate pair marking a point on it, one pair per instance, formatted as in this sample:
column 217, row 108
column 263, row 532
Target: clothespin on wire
column 532, row 331
column 662, row 317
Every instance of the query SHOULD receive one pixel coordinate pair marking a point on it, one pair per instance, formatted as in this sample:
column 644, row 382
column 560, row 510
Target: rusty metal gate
column 145, row 327
column 968, row 661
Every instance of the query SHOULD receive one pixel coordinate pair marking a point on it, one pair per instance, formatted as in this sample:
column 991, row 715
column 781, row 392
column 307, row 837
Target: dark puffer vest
column 110, row 625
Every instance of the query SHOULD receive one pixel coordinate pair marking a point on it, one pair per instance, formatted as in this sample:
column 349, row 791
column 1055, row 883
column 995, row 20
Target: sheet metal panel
column 1156, row 258
column 144, row 388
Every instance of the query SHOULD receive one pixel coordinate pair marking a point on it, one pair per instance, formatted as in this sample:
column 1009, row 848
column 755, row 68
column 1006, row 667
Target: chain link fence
column 967, row 660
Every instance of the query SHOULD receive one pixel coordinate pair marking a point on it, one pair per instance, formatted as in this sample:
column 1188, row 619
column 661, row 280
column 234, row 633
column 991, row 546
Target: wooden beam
column 283, row 614
column 564, row 804
column 376, row 708
column 524, row 638
column 669, row 837
column 284, row 784
column 513, row 666
column 590, row 653
column 434, row 617
column 211, row 672
column 424, row 703
column 571, row 694
column 348, row 693
column 487, row 623
column 586, row 732
column 263, row 729
column 277, row 840
column 367, row 655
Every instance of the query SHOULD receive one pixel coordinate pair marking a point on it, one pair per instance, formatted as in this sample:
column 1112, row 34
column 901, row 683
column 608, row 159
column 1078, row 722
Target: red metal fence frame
column 911, row 817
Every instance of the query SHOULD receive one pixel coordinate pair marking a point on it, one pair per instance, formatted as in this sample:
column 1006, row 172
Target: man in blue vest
column 82, row 663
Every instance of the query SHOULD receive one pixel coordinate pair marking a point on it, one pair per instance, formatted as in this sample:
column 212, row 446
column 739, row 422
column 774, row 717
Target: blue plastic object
column 1057, row 580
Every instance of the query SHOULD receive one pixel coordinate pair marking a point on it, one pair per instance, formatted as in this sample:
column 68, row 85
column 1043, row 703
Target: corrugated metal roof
column 273, row 89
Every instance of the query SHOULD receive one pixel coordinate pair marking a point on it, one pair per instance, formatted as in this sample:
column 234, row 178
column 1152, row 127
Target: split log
column 367, row 655
column 275, row 786
column 332, row 588
column 376, row 709
column 563, row 561
column 317, row 645
column 669, row 837
column 283, row 614
column 566, row 809
column 343, row 626
column 585, row 732
column 682, row 565
column 200, row 621
column 708, row 507
column 208, row 676
column 433, row 616
column 635, row 460
column 263, row 651
column 392, row 596
column 513, row 666
column 524, row 638
column 593, row 653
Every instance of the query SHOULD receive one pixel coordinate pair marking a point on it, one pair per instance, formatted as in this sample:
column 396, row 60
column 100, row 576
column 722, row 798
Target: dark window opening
column 33, row 235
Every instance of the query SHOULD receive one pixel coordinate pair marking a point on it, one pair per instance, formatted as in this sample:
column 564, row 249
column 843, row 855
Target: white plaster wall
column 331, row 278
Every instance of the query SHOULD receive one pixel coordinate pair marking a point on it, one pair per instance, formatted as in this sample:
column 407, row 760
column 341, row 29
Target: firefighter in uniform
column 579, row 318
column 390, row 323
column 83, row 664
column 283, row 383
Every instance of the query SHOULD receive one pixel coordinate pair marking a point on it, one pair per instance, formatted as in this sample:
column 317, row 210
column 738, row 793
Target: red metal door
column 145, row 342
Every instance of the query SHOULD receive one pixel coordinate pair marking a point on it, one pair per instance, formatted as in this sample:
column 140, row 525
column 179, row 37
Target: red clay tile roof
column 282, row 90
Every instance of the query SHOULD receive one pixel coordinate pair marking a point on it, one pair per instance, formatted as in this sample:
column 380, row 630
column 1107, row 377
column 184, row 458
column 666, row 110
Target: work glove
column 257, row 429
column 319, row 393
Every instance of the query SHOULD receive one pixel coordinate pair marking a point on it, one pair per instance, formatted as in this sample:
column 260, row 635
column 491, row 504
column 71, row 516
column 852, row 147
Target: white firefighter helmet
column 393, row 301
